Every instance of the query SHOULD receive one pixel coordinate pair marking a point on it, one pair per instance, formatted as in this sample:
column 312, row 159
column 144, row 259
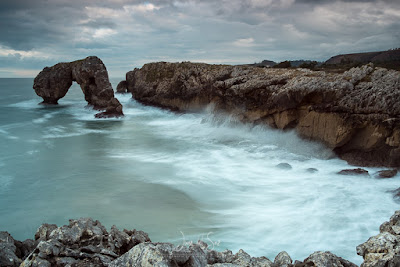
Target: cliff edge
column 355, row 113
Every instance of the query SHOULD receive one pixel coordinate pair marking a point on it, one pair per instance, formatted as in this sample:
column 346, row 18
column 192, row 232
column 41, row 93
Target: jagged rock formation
column 86, row 242
column 83, row 242
column 12, row 252
column 383, row 249
column 355, row 113
column 52, row 83
column 122, row 87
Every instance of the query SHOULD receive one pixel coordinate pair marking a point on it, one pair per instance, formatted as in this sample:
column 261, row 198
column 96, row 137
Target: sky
column 126, row 34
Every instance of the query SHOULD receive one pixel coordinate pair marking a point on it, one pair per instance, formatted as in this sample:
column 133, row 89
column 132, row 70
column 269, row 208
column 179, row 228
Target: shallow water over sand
column 179, row 177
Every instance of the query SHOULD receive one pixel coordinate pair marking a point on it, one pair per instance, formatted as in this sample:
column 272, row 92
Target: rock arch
column 52, row 83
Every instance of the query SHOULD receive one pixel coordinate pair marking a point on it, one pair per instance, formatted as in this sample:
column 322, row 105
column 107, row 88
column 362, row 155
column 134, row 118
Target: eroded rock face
column 83, row 242
column 324, row 259
column 387, row 173
column 52, row 83
column 357, row 171
column 383, row 249
column 8, row 251
column 86, row 242
column 283, row 260
column 122, row 87
column 355, row 113
column 12, row 252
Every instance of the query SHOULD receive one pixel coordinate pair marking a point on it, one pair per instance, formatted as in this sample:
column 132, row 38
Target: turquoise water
column 179, row 177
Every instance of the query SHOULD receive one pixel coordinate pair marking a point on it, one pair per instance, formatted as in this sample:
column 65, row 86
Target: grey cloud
column 96, row 23
column 197, row 30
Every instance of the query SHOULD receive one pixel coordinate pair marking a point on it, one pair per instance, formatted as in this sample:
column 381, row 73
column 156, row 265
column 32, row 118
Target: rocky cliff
column 52, row 83
column 374, row 57
column 355, row 113
column 86, row 242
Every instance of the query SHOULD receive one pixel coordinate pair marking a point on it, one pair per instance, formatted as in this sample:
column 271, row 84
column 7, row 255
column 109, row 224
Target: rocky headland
column 52, row 83
column 86, row 242
column 355, row 113
column 389, row 59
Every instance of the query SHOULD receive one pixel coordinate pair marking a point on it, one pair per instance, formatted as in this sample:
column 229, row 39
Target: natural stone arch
column 52, row 83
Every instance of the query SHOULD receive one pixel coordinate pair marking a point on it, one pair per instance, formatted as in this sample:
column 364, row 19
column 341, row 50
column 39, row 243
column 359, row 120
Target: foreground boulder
column 384, row 248
column 387, row 173
column 86, row 242
column 324, row 259
column 357, row 171
column 52, row 83
column 83, row 242
column 355, row 113
column 12, row 252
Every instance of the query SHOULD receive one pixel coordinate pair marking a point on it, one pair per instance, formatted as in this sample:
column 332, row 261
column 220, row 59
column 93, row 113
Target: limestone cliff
column 52, row 83
column 355, row 113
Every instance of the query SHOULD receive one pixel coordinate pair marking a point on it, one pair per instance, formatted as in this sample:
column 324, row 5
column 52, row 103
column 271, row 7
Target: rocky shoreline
column 355, row 113
column 86, row 242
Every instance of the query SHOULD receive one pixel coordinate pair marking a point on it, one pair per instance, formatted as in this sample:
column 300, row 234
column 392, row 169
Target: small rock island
column 52, row 83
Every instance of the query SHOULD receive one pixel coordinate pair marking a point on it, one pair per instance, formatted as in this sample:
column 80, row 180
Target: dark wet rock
column 284, row 166
column 214, row 257
column 387, row 173
column 162, row 254
column 243, row 259
column 354, row 113
column 24, row 248
column 324, row 259
column 52, row 83
column 122, row 87
column 312, row 170
column 83, row 242
column 282, row 260
column 8, row 251
column 357, row 171
column 44, row 231
column 396, row 194
column 384, row 248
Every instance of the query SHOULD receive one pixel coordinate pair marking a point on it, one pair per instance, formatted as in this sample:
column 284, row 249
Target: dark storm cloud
column 131, row 32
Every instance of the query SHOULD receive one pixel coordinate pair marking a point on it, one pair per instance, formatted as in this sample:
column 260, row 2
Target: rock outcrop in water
column 355, row 113
column 52, row 83
column 86, row 242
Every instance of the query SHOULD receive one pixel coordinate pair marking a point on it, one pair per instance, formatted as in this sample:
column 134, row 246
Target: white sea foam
column 7, row 134
column 46, row 117
column 27, row 104
column 59, row 131
column 164, row 172
column 231, row 170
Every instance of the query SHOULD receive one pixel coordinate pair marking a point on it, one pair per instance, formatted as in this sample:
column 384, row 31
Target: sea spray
column 166, row 173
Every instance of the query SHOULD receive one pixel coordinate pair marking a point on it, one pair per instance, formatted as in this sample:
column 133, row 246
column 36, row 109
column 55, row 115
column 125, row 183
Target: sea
column 180, row 178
